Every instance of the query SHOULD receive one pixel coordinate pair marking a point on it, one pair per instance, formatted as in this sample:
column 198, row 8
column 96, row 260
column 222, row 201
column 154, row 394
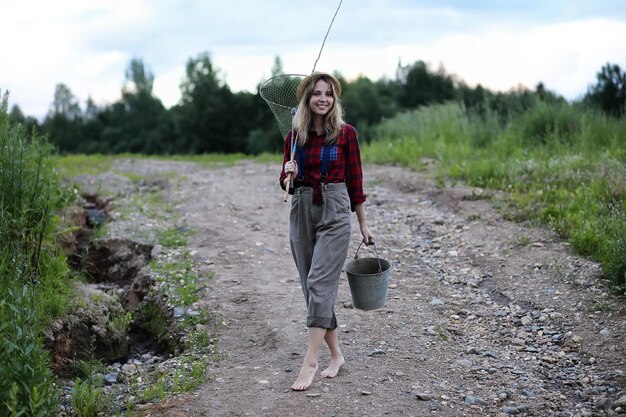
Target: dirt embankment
column 484, row 316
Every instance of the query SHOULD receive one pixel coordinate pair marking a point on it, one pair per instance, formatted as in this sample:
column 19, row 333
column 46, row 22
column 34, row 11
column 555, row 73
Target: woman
column 327, row 186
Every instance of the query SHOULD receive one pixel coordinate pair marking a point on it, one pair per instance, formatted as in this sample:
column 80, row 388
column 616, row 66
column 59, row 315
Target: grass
column 34, row 286
column 88, row 397
column 179, row 285
column 189, row 375
column 523, row 240
column 178, row 279
column 173, row 237
column 75, row 165
column 558, row 164
column 96, row 164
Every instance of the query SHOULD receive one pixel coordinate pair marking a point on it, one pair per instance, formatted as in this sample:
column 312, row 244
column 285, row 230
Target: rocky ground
column 484, row 317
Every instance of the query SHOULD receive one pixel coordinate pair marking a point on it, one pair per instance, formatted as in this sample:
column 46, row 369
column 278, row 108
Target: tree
column 277, row 68
column 420, row 86
column 139, row 122
column 65, row 103
column 139, row 79
column 63, row 122
column 91, row 110
column 367, row 103
column 210, row 118
column 609, row 93
column 17, row 116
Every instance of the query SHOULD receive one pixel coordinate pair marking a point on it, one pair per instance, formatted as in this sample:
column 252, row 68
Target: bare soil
column 483, row 316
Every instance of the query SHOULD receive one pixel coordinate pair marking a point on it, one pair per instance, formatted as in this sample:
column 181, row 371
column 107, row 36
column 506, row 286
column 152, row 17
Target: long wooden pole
column 289, row 176
column 292, row 146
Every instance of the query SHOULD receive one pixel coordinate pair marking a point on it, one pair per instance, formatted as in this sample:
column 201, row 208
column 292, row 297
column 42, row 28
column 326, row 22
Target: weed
column 600, row 305
column 441, row 333
column 557, row 163
column 178, row 279
column 87, row 368
column 187, row 376
column 87, row 397
column 32, row 288
column 120, row 323
column 73, row 165
column 523, row 240
column 173, row 237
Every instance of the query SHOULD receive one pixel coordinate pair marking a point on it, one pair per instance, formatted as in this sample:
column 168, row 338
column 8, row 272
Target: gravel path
column 484, row 316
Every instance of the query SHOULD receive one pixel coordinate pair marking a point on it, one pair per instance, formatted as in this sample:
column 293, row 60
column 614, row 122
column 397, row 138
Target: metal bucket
column 368, row 279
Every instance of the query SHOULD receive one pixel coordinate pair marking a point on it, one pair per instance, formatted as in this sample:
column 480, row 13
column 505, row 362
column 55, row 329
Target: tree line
column 210, row 118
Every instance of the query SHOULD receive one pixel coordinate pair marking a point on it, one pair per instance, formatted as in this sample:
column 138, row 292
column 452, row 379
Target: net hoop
column 279, row 92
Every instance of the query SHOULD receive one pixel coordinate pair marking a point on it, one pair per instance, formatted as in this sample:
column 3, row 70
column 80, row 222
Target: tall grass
column 32, row 273
column 559, row 163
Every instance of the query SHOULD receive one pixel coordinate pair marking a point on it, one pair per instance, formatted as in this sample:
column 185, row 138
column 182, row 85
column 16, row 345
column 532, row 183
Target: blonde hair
column 333, row 120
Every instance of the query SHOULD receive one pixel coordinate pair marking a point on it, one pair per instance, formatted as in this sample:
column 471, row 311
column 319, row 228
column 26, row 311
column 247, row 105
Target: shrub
column 563, row 164
column 32, row 290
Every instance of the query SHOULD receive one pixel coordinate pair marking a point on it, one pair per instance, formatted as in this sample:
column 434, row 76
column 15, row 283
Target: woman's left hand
column 368, row 237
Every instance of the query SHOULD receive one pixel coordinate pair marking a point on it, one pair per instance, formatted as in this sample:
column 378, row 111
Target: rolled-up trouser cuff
column 329, row 323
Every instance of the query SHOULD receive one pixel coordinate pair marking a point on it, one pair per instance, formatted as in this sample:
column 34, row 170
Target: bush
column 563, row 164
column 32, row 272
column 87, row 397
column 27, row 384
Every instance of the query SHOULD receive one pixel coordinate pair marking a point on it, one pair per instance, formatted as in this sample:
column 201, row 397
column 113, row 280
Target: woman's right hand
column 291, row 168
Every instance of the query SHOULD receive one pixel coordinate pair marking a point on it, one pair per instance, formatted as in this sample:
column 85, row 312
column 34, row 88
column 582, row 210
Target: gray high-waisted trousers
column 319, row 236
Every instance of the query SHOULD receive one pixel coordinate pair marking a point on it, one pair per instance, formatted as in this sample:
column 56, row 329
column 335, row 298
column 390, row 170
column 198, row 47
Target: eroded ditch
column 118, row 314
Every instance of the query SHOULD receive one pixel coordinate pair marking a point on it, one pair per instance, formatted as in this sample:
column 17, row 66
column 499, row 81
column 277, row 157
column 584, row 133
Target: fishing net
column 279, row 93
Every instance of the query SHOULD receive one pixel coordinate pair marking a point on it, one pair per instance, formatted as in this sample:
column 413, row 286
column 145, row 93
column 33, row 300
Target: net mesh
column 279, row 93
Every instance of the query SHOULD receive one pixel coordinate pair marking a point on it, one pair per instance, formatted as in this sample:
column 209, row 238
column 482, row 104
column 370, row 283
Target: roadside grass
column 150, row 216
column 79, row 164
column 73, row 165
column 559, row 164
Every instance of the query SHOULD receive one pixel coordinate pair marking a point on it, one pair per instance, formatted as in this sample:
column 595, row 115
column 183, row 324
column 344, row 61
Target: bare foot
column 333, row 368
column 305, row 377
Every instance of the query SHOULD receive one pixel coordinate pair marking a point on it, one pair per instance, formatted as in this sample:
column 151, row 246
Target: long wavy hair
column 333, row 120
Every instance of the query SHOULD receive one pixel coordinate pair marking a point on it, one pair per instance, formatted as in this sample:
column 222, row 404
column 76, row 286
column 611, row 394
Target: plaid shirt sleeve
column 353, row 170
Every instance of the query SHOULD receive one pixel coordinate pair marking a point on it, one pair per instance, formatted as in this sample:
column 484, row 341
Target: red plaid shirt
column 344, row 164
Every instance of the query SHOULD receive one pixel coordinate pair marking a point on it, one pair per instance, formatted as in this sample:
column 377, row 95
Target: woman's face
column 322, row 98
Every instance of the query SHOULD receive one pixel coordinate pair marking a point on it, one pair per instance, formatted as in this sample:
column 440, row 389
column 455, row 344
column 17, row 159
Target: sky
column 87, row 45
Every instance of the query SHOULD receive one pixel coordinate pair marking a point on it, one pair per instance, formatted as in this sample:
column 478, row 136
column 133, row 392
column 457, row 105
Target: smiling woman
column 328, row 185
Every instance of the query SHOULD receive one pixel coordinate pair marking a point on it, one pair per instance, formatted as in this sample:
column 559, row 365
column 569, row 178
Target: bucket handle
column 356, row 255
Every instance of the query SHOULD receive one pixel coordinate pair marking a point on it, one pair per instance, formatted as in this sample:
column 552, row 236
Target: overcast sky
column 87, row 45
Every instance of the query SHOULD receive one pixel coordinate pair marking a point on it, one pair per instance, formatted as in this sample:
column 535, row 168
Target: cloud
column 87, row 45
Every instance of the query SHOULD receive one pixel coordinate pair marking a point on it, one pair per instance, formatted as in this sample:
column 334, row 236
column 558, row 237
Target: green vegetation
column 189, row 375
column 559, row 163
column 211, row 119
column 88, row 397
column 178, row 279
column 173, row 237
column 79, row 164
column 32, row 287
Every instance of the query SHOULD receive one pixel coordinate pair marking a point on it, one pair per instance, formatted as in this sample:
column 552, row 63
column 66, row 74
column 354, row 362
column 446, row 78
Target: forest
column 211, row 118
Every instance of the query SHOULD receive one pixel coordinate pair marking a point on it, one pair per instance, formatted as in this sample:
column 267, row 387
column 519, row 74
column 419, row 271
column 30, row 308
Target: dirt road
column 484, row 316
